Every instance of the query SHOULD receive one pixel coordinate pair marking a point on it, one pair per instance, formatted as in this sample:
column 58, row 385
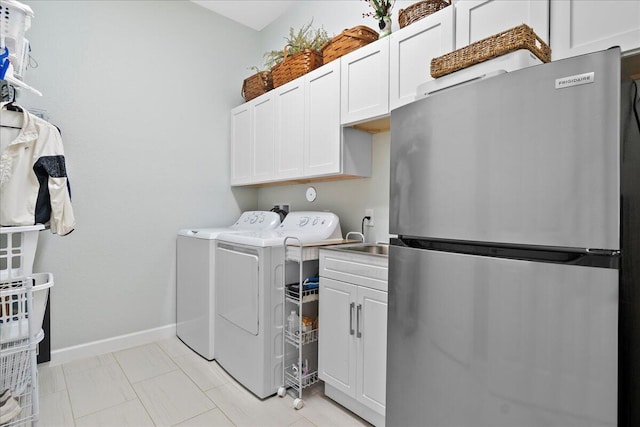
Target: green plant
column 381, row 8
column 272, row 58
column 306, row 37
column 257, row 70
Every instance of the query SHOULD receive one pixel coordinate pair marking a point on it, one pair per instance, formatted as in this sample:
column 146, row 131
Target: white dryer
column 195, row 279
column 249, row 302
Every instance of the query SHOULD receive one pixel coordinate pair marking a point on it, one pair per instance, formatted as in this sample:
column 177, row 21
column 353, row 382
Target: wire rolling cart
column 300, row 343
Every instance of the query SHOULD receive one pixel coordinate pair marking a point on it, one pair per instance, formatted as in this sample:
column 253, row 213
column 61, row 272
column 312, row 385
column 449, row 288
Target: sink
column 367, row 248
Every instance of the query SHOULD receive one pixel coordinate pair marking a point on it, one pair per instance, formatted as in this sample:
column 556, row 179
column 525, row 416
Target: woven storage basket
column 419, row 10
column 520, row 37
column 347, row 41
column 256, row 85
column 295, row 66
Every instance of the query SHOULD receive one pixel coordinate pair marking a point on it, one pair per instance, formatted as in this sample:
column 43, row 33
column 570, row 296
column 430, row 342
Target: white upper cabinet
column 410, row 53
column 365, row 82
column 252, row 147
column 478, row 19
column 583, row 26
column 263, row 141
column 240, row 150
column 289, row 129
column 293, row 132
column 322, row 148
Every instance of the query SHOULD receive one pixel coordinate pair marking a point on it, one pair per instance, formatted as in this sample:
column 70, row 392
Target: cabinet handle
column 359, row 334
column 351, row 307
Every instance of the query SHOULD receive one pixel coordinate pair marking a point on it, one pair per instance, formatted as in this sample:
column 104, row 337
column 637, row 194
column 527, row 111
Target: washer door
column 237, row 287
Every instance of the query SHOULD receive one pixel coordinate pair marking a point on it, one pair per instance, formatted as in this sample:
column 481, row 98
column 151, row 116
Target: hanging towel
column 34, row 188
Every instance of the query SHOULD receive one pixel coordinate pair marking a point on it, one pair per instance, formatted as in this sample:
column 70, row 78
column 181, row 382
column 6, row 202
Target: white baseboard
column 122, row 342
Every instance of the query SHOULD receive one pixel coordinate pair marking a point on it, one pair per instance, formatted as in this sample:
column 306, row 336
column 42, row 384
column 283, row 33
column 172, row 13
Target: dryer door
column 237, row 286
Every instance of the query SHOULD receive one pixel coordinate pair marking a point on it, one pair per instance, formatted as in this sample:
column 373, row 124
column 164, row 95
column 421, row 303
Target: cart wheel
column 298, row 403
column 282, row 391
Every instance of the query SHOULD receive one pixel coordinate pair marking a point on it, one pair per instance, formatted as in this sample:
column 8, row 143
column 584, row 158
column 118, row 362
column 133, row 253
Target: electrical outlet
column 284, row 206
column 369, row 213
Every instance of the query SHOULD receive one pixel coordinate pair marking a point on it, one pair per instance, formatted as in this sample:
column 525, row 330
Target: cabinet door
column 583, row 26
column 323, row 150
column 336, row 341
column 263, row 152
column 477, row 19
column 289, row 102
column 371, row 318
column 240, row 150
column 365, row 82
column 411, row 51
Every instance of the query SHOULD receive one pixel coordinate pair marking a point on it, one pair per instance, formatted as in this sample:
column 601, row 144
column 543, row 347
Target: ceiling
column 255, row 14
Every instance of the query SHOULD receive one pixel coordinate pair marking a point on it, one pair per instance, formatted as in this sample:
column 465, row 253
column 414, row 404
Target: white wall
column 346, row 198
column 141, row 91
column 333, row 15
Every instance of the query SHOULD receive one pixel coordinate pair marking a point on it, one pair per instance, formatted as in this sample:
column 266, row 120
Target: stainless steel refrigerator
column 516, row 201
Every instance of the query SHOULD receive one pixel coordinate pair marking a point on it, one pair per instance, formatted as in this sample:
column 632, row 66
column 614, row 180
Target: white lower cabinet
column 371, row 333
column 352, row 343
column 338, row 345
column 584, row 26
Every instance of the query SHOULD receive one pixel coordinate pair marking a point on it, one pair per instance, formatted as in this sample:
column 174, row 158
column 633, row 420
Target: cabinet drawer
column 363, row 270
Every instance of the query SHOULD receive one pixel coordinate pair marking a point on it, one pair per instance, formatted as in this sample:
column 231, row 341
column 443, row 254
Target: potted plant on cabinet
column 382, row 12
column 300, row 55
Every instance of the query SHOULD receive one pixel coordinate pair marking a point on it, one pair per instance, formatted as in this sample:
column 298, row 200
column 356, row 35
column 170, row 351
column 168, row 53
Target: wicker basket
column 256, row 85
column 295, row 66
column 520, row 37
column 419, row 10
column 347, row 41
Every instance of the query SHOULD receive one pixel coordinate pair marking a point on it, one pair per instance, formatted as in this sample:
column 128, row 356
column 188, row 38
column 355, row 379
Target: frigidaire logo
column 579, row 79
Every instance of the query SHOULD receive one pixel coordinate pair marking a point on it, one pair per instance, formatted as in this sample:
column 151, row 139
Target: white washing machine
column 195, row 279
column 249, row 301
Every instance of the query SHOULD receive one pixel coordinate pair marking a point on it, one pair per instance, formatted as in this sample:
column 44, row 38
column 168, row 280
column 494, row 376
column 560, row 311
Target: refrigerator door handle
column 604, row 252
column 351, row 307
column 359, row 334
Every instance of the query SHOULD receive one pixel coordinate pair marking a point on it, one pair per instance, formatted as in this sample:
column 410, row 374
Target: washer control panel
column 257, row 220
column 311, row 225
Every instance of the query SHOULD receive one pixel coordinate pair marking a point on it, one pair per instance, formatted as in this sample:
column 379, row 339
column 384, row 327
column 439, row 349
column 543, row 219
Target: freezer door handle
column 351, row 307
column 359, row 334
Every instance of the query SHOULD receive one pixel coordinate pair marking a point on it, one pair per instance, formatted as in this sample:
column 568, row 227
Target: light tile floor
column 166, row 384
